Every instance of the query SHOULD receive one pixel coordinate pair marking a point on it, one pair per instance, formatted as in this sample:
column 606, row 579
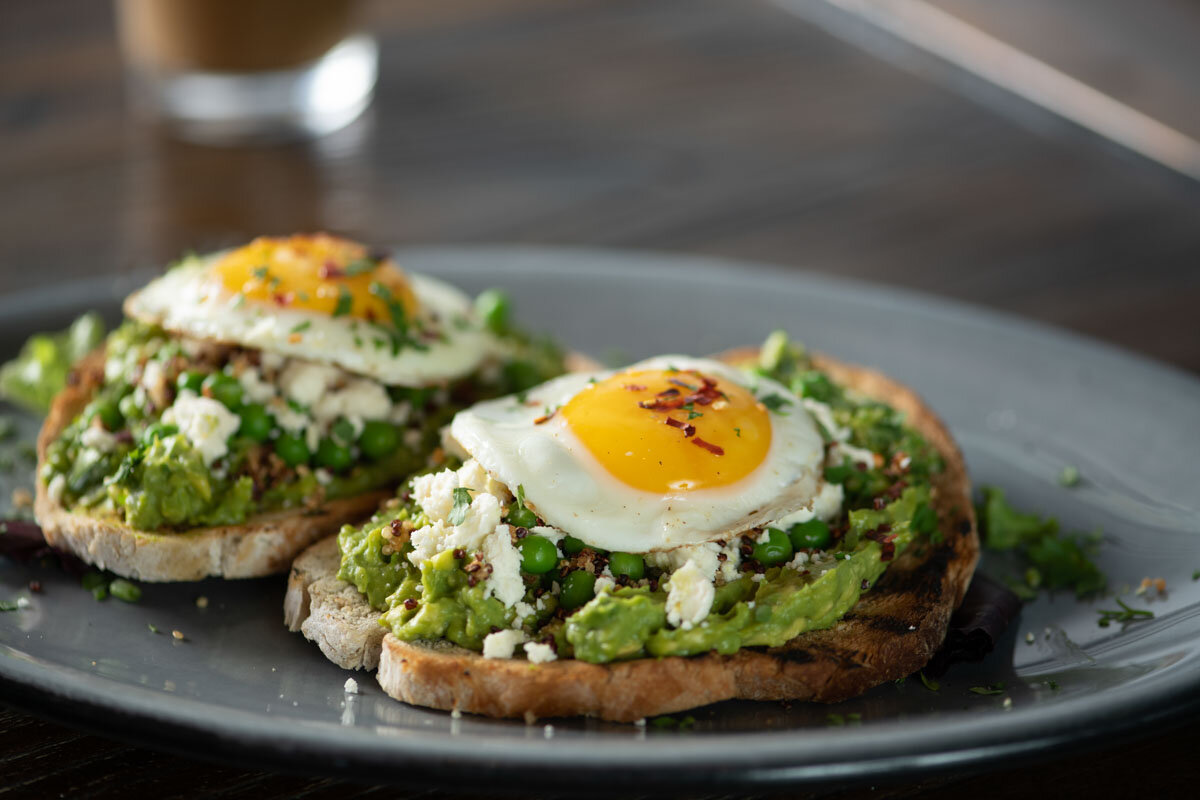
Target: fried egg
column 670, row 451
column 321, row 298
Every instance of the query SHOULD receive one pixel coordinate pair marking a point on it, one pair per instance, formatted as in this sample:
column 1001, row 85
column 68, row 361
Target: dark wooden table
column 679, row 125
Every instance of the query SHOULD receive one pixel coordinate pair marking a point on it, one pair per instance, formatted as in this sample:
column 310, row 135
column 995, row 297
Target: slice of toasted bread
column 891, row 632
column 263, row 545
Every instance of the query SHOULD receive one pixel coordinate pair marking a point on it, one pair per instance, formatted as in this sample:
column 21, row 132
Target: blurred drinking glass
column 238, row 71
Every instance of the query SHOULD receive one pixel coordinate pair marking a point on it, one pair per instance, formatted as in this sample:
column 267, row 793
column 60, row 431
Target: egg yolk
column 321, row 274
column 670, row 430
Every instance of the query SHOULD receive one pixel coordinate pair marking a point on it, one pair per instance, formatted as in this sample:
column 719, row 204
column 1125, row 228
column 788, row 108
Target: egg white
column 571, row 490
column 188, row 301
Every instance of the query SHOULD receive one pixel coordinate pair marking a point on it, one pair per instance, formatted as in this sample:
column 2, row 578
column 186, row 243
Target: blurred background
column 1038, row 157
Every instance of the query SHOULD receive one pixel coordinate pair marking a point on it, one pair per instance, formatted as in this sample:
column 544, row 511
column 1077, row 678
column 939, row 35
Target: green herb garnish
column 928, row 682
column 1057, row 560
column 774, row 402
column 125, row 591
column 1124, row 615
column 1069, row 476
column 9, row 605
column 838, row 720
column 344, row 303
column 991, row 688
column 462, row 503
column 303, row 326
column 360, row 266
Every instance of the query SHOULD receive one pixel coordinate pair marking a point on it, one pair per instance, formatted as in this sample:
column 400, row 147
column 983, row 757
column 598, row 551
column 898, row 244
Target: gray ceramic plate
column 1023, row 400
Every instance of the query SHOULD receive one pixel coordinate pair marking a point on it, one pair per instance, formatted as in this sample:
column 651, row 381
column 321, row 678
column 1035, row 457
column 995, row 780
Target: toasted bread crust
column 263, row 545
column 891, row 632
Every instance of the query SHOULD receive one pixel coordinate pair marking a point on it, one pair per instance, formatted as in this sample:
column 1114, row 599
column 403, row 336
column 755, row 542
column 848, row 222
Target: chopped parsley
column 9, row 605
column 344, row 303
column 1069, row 476
column 462, row 503
column 1050, row 558
column 991, row 688
column 929, row 683
column 1124, row 615
column 303, row 326
column 738, row 431
column 261, row 273
column 361, row 266
column 153, row 628
column 774, row 402
column 838, row 720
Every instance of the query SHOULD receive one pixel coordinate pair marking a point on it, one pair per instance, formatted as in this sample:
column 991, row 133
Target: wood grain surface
column 696, row 126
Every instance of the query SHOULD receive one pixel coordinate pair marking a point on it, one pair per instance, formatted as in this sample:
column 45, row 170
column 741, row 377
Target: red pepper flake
column 545, row 417
column 681, row 384
column 410, row 604
column 283, row 298
column 689, row 430
column 35, row 587
column 716, row 450
column 330, row 270
column 866, row 584
column 667, row 393
column 634, row 387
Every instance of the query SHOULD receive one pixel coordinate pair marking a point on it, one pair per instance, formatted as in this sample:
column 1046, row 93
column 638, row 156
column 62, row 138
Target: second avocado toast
column 850, row 585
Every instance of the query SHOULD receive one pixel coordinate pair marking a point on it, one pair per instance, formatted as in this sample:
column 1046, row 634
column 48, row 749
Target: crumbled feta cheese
column 505, row 582
column 205, row 422
column 23, row 603
column 502, row 644
column 691, row 595
column 287, row 417
column 547, row 532
column 400, row 413
column 826, row 507
column 351, row 686
column 306, row 383
column 472, row 475
column 412, row 438
column 257, row 390
column 358, row 399
column 539, row 653
column 605, row 584
column 434, row 493
column 857, row 455
column 323, row 476
column 98, row 439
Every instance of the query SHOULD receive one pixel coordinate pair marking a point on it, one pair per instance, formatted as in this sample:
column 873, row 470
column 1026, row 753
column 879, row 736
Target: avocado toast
column 255, row 400
column 870, row 604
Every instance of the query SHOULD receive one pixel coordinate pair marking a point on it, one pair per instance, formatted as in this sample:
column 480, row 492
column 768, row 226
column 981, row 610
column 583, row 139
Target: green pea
column 108, row 412
column 257, row 422
column 522, row 518
column 578, row 587
column 292, row 449
column 159, row 430
column 378, row 439
column 225, row 389
column 629, row 564
column 572, row 546
column 776, row 550
column 492, row 307
column 333, row 456
column 538, row 554
column 190, row 380
column 811, row 535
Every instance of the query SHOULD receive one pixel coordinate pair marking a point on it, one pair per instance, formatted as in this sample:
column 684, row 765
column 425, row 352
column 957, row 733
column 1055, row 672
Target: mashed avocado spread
column 559, row 598
column 181, row 433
